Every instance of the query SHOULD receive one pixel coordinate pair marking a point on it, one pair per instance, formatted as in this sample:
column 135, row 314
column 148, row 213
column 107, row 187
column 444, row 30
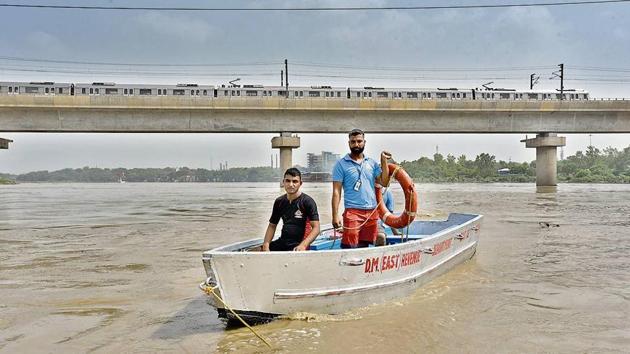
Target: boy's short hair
column 294, row 172
column 355, row 132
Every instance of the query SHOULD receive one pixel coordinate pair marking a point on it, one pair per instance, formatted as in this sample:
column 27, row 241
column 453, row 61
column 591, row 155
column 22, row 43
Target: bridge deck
column 21, row 113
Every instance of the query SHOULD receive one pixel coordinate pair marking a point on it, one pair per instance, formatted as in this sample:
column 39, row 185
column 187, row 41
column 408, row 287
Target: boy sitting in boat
column 297, row 210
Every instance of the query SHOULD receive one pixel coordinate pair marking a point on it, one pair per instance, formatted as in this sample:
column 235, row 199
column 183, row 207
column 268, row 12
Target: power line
column 304, row 9
column 35, row 60
column 135, row 73
column 384, row 68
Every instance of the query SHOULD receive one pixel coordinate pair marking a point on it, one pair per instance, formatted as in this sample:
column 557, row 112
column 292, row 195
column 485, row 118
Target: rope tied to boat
column 210, row 291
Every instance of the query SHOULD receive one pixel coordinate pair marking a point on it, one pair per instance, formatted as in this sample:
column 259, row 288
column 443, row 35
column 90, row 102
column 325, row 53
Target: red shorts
column 353, row 232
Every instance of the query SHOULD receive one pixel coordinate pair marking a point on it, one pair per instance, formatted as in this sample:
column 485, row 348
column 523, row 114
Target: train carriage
column 114, row 89
column 36, row 88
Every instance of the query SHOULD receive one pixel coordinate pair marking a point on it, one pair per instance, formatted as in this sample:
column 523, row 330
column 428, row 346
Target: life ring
column 411, row 199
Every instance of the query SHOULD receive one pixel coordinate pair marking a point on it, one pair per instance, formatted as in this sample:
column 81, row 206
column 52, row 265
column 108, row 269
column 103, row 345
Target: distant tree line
column 168, row 174
column 484, row 168
column 593, row 166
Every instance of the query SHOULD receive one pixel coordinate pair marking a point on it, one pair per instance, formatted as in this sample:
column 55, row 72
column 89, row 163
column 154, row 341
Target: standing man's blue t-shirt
column 388, row 199
column 349, row 172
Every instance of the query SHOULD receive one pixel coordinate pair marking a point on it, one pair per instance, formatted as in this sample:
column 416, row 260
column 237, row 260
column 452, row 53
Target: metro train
column 297, row 92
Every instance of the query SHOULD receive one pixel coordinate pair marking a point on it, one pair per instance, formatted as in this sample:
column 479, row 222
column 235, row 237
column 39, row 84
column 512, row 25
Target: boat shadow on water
column 194, row 318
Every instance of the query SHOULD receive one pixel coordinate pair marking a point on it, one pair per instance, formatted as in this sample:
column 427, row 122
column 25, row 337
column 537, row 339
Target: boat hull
column 262, row 285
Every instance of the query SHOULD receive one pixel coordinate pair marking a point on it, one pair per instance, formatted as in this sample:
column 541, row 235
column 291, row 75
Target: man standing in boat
column 356, row 175
column 300, row 219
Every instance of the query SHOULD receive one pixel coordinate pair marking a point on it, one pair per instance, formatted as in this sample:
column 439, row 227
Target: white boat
column 328, row 280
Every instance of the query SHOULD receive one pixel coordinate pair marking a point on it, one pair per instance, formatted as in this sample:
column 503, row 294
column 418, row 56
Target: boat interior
column 329, row 239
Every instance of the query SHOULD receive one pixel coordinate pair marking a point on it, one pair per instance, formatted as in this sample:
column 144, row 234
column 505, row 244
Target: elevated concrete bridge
column 136, row 114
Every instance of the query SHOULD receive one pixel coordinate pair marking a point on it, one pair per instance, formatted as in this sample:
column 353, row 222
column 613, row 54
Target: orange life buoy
column 411, row 199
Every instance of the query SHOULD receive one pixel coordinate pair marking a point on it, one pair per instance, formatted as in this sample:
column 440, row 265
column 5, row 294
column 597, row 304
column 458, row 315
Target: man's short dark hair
column 355, row 132
column 293, row 172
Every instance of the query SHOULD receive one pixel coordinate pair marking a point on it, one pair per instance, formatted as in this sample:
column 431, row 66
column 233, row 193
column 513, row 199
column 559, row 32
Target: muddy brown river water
column 108, row 268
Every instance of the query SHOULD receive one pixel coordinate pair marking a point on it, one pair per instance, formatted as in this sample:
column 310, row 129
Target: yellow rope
column 210, row 291
column 408, row 214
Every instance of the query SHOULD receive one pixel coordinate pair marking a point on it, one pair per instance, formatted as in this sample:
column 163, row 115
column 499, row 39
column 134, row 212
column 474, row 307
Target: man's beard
column 357, row 150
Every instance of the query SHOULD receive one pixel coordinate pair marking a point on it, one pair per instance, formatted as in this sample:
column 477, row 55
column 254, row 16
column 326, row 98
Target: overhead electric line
column 35, row 60
column 293, row 9
column 385, row 68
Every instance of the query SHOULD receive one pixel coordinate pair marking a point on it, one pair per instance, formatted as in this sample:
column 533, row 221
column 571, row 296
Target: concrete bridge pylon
column 546, row 145
column 286, row 142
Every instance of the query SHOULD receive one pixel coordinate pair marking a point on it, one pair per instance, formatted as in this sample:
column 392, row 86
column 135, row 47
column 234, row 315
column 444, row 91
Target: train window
column 144, row 92
column 238, row 92
column 493, row 95
column 131, row 91
column 313, row 93
column 429, row 94
column 572, row 96
column 179, row 92
column 91, row 90
column 532, row 96
column 205, row 92
column 111, row 91
column 424, row 95
column 585, row 96
column 327, row 94
column 47, row 89
column 558, row 96
column 452, row 95
column 264, row 93
column 97, row 91
column 412, row 95
column 457, row 95
column 251, row 93
column 192, row 92
column 440, row 94
column 60, row 90
column 30, row 89
column 464, row 95
column 125, row 91
column 10, row 88
column 83, row 90
column 196, row 92
column 504, row 96
column 382, row 94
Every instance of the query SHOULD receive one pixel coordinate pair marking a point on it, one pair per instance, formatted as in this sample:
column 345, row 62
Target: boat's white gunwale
column 287, row 294
column 217, row 251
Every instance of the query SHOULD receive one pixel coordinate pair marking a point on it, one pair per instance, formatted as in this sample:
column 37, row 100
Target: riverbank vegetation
column 6, row 181
column 609, row 165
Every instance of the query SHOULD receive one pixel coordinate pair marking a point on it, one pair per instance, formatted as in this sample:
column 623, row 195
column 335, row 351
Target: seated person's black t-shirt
column 294, row 215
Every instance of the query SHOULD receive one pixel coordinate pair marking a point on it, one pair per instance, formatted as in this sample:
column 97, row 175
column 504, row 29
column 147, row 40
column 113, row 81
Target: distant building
column 323, row 162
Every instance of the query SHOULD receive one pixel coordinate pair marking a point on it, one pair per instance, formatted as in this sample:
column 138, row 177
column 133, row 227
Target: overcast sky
column 446, row 48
